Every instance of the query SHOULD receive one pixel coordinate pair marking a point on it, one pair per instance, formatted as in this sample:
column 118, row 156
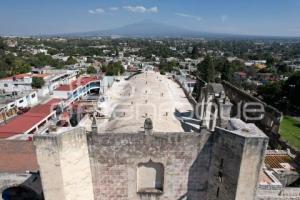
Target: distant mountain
column 144, row 28
column 149, row 28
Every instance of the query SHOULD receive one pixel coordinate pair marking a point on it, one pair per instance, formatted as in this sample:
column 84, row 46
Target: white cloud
column 114, row 8
column 189, row 16
column 97, row 11
column 224, row 18
column 153, row 9
column 141, row 9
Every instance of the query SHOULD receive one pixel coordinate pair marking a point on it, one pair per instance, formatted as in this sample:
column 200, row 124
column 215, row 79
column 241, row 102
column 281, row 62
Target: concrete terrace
column 145, row 95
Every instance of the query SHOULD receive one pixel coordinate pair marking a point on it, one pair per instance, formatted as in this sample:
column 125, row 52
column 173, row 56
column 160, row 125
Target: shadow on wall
column 20, row 193
column 199, row 174
column 187, row 121
column 30, row 189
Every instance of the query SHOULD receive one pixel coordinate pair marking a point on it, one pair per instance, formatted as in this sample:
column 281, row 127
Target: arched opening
column 20, row 193
column 150, row 177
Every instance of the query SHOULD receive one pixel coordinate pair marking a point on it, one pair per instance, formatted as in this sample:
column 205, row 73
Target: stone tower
column 236, row 161
column 64, row 165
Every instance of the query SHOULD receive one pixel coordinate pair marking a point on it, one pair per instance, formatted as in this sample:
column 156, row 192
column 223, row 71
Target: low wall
column 272, row 117
column 284, row 194
column 188, row 94
column 270, row 124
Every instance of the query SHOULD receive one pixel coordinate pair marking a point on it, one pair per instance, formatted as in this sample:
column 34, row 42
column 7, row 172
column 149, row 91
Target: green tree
column 207, row 69
column 114, row 69
column 104, row 69
column 194, row 53
column 71, row 61
column 291, row 90
column 270, row 92
column 168, row 66
column 91, row 70
column 226, row 72
column 162, row 72
column 270, row 60
column 283, row 68
column 37, row 82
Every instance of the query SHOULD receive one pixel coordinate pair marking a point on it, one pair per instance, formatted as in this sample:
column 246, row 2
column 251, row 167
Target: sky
column 250, row 17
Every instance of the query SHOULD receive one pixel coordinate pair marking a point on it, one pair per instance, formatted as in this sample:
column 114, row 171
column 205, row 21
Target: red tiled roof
column 17, row 156
column 26, row 121
column 75, row 84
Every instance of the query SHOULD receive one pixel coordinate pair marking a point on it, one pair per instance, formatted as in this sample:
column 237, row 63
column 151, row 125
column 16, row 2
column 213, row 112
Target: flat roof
column 26, row 121
column 147, row 95
column 75, row 84
column 21, row 76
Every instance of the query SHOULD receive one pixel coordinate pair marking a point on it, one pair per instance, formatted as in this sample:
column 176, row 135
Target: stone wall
column 235, row 165
column 187, row 93
column 115, row 159
column 109, row 166
column 272, row 117
column 64, row 165
column 283, row 194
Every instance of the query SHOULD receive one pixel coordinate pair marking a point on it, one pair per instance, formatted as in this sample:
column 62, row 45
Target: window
column 33, row 95
column 150, row 177
column 5, row 85
column 221, row 163
column 21, row 101
column 218, row 191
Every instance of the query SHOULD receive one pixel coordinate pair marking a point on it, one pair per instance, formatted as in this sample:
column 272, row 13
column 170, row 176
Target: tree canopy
column 37, row 82
column 114, row 69
column 91, row 70
column 207, row 69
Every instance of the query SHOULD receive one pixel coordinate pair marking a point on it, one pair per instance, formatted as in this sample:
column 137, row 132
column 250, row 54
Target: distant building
column 12, row 103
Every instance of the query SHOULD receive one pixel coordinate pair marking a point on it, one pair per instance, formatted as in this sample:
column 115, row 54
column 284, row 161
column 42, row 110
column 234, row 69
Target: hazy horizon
column 258, row 18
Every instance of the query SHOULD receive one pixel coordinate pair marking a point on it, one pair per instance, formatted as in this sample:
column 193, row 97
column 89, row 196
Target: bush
column 37, row 82
column 91, row 70
column 114, row 69
column 162, row 72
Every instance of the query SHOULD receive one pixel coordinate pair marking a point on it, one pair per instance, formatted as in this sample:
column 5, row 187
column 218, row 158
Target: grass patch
column 290, row 131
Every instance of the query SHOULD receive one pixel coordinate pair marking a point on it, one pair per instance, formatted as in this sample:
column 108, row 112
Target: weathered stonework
column 64, row 165
column 235, row 166
column 80, row 165
column 115, row 157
